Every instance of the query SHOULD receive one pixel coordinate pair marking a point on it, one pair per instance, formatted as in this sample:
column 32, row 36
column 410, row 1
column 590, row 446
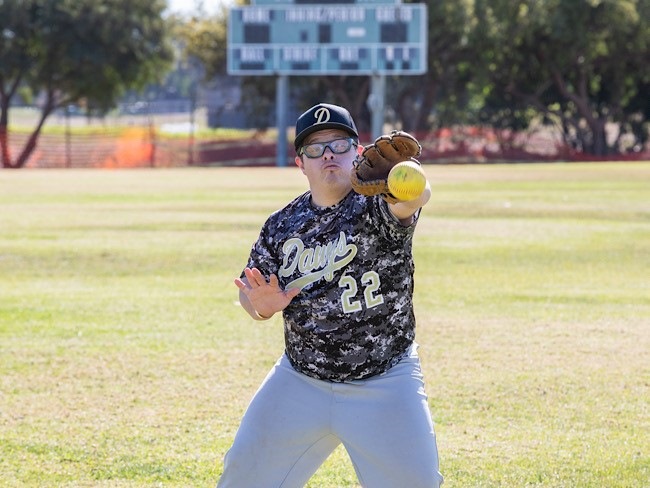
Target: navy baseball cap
column 323, row 116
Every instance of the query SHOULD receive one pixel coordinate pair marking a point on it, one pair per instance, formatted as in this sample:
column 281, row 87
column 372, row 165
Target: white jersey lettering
column 315, row 263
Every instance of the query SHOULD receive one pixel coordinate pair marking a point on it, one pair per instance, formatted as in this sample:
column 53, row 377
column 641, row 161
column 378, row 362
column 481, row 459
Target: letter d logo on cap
column 322, row 115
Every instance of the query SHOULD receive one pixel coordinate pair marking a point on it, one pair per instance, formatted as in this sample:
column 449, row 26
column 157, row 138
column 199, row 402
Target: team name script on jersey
column 315, row 263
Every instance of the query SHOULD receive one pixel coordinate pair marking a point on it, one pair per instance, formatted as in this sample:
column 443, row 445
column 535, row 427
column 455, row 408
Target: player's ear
column 360, row 149
column 298, row 161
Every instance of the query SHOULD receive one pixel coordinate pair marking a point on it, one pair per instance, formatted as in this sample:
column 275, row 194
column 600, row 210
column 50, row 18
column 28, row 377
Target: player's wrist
column 262, row 317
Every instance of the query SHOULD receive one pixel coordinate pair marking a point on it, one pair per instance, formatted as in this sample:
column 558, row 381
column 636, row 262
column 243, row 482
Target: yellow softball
column 406, row 181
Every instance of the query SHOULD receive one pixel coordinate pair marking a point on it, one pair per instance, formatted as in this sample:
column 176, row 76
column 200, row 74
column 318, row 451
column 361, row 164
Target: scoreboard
column 342, row 38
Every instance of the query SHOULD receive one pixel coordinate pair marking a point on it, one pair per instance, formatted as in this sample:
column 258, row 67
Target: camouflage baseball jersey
column 354, row 316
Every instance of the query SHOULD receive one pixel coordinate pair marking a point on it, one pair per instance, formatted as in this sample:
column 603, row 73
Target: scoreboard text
column 328, row 39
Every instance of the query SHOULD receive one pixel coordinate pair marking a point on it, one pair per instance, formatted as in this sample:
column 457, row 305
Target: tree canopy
column 73, row 51
column 580, row 65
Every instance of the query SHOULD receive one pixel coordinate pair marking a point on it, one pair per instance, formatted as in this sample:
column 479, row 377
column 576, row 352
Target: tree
column 204, row 38
column 414, row 97
column 442, row 90
column 577, row 63
column 72, row 51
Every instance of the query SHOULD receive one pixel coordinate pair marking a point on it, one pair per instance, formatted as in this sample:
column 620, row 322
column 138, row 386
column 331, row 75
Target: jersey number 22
column 370, row 282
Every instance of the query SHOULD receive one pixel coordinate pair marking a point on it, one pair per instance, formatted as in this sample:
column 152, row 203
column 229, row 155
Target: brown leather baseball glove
column 370, row 172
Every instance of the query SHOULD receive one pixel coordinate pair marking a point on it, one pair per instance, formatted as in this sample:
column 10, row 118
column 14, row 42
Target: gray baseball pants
column 294, row 422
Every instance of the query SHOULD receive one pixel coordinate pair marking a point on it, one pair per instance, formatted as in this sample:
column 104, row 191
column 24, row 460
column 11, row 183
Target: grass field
column 125, row 361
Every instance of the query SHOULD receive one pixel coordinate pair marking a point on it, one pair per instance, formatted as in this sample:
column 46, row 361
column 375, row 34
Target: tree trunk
column 426, row 105
column 32, row 142
column 5, row 98
column 597, row 146
column 4, row 132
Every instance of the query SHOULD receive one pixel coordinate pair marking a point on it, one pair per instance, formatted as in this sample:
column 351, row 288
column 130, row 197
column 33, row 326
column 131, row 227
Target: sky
column 189, row 6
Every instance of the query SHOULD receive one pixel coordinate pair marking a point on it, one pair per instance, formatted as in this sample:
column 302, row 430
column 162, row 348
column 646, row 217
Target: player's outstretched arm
column 405, row 210
column 260, row 297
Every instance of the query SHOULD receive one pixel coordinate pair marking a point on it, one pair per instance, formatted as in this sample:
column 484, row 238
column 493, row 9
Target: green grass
column 125, row 361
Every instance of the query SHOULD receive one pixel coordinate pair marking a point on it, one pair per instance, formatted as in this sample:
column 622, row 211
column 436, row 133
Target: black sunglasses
column 337, row 146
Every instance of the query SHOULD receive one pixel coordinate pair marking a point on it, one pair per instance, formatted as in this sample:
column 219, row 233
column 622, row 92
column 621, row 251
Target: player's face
column 326, row 159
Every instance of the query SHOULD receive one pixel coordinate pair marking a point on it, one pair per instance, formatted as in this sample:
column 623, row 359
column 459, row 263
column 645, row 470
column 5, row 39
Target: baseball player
column 337, row 263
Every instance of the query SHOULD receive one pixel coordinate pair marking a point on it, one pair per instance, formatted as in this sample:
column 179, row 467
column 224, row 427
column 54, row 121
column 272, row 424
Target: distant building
column 222, row 100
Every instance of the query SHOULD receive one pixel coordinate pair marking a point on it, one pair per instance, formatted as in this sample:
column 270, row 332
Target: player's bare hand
column 265, row 296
